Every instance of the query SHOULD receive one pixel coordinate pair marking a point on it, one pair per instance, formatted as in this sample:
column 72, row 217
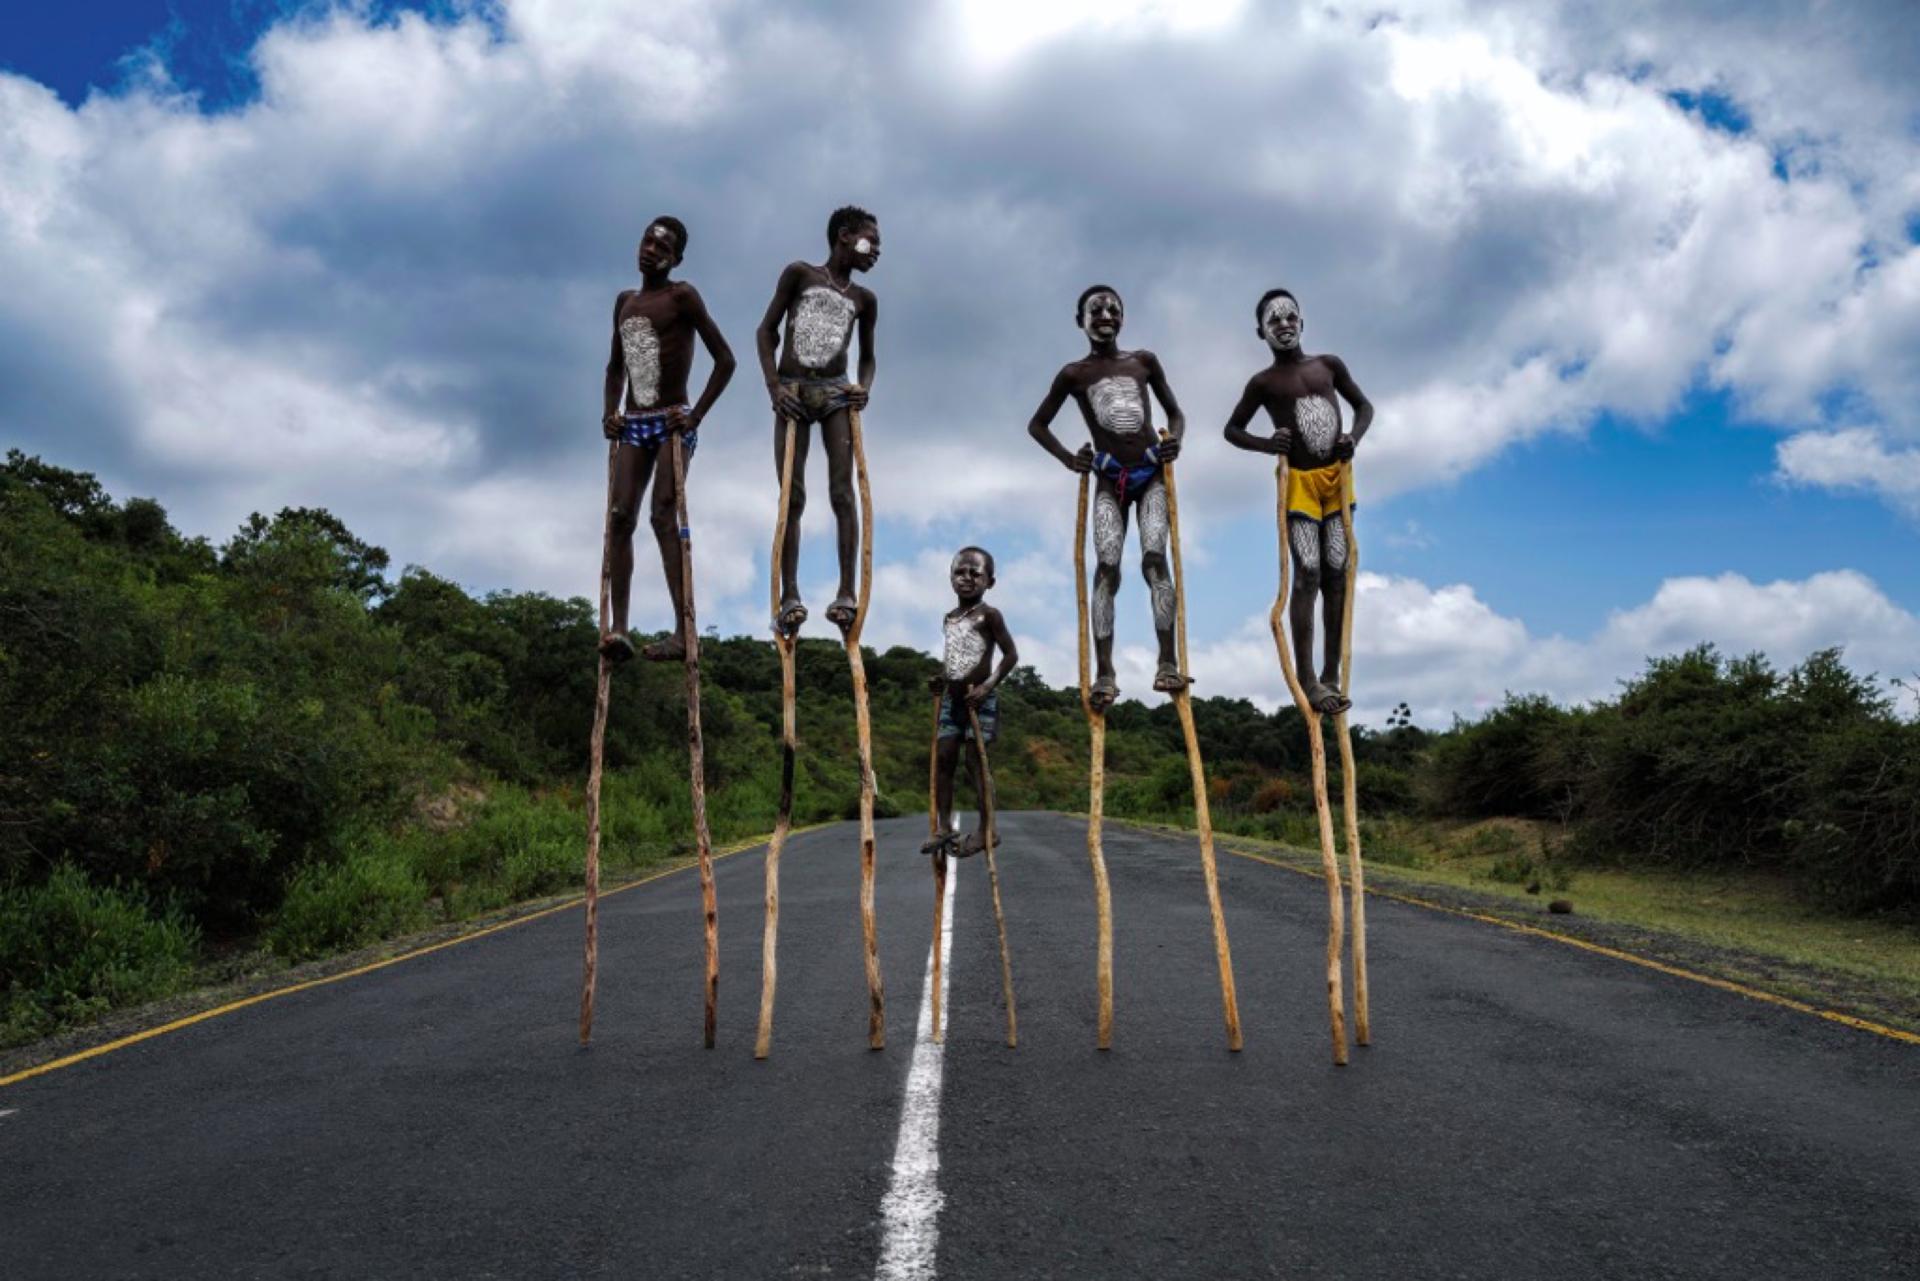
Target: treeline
column 274, row 743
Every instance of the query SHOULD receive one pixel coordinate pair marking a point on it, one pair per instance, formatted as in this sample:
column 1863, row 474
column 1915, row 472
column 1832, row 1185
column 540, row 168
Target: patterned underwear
column 1126, row 476
column 647, row 431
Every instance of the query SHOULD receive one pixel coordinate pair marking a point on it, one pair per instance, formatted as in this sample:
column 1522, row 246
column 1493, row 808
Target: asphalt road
column 1527, row 1109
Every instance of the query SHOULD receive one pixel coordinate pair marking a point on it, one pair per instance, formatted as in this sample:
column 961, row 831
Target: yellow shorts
column 1315, row 493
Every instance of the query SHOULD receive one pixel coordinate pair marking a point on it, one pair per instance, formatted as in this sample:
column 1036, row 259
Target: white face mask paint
column 1086, row 310
column 1281, row 309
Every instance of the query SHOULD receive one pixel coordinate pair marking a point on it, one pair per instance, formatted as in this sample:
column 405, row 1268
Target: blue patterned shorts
column 989, row 714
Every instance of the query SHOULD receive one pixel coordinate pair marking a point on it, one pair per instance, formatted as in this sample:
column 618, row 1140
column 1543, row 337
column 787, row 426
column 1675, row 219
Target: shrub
column 334, row 906
column 70, row 950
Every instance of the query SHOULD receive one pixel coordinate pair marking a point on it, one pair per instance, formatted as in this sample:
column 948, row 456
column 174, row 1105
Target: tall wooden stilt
column 595, row 757
column 1096, row 781
column 1329, row 863
column 876, row 990
column 939, row 864
column 783, row 819
column 696, row 749
column 1349, row 794
column 993, row 877
column 1229, row 1001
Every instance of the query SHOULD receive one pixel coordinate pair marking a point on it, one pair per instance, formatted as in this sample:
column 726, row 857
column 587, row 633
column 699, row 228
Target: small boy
column 974, row 629
column 646, row 402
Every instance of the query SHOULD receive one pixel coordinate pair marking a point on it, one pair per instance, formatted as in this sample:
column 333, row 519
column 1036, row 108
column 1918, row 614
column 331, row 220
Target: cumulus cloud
column 1858, row 458
column 382, row 285
column 1445, row 652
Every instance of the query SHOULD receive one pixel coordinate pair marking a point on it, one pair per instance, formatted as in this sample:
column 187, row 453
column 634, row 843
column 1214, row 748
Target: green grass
column 1769, row 935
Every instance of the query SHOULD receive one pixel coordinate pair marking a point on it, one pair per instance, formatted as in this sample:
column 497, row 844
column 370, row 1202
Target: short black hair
column 678, row 228
column 847, row 217
column 1080, row 305
column 984, row 555
column 1260, row 308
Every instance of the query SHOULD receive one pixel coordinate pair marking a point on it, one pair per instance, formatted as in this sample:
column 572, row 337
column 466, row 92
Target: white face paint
column 863, row 246
column 1106, row 301
column 1118, row 405
column 821, row 323
column 641, row 347
column 1282, row 322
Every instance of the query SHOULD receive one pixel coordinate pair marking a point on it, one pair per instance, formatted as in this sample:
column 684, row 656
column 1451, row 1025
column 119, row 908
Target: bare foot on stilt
column 942, row 844
column 615, row 647
column 841, row 612
column 792, row 614
column 1104, row 693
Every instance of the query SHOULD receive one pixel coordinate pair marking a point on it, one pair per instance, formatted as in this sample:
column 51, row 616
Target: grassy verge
column 74, row 954
column 1749, row 928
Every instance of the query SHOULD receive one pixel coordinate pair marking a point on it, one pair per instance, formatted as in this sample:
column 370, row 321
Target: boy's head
column 859, row 231
column 663, row 244
column 971, row 571
column 1278, row 320
column 1100, row 311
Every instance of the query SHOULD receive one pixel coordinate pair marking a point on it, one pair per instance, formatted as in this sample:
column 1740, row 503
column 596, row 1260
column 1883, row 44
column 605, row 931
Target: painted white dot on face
column 863, row 246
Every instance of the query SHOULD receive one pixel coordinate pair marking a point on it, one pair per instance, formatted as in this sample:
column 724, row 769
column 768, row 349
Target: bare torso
column 656, row 342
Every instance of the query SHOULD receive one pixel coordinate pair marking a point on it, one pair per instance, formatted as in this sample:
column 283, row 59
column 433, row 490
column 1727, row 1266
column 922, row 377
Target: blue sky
column 1635, row 291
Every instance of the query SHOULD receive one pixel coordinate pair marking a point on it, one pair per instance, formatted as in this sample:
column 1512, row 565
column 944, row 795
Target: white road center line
column 910, row 1212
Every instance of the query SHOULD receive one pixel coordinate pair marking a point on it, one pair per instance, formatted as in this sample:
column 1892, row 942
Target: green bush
column 330, row 907
column 70, row 950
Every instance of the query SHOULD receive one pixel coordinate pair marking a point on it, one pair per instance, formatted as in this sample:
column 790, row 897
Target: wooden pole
column 939, row 863
column 1203, row 819
column 993, row 877
column 1329, row 863
column 696, row 750
column 1349, row 787
column 876, row 991
column 1096, row 781
column 596, row 754
column 783, row 819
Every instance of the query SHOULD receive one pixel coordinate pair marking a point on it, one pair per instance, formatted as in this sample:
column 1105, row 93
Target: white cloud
column 382, row 286
column 1444, row 651
column 1857, row 458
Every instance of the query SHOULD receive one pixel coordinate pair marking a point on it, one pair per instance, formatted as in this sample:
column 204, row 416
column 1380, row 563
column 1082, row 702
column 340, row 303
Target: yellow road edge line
column 1727, row 985
column 53, row 1065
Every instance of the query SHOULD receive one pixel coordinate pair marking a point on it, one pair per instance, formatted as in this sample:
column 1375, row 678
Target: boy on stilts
column 646, row 401
column 969, row 676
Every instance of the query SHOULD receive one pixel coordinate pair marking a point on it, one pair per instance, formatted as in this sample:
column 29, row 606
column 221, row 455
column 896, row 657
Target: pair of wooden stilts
column 1330, row 863
column 1097, row 733
column 696, row 753
column 785, row 642
column 990, row 836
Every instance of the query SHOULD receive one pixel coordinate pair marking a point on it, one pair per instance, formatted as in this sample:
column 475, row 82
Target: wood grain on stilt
column 876, row 991
column 993, row 876
column 1096, row 780
column 783, row 818
column 1349, row 793
column 939, row 866
column 595, row 757
column 1329, row 862
column 696, row 749
column 1203, row 819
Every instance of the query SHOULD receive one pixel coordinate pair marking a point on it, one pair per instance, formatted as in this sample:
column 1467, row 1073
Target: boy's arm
column 1040, row 427
column 857, row 395
column 1362, row 407
column 1009, row 656
column 767, row 336
column 1176, row 421
column 717, row 349
column 616, row 383
column 1237, row 433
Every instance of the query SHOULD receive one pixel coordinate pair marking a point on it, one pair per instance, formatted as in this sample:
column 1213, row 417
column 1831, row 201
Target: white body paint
column 1319, row 424
column 822, row 321
column 641, row 347
column 1109, row 539
column 1153, row 541
column 966, row 645
column 910, row 1211
column 1117, row 404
